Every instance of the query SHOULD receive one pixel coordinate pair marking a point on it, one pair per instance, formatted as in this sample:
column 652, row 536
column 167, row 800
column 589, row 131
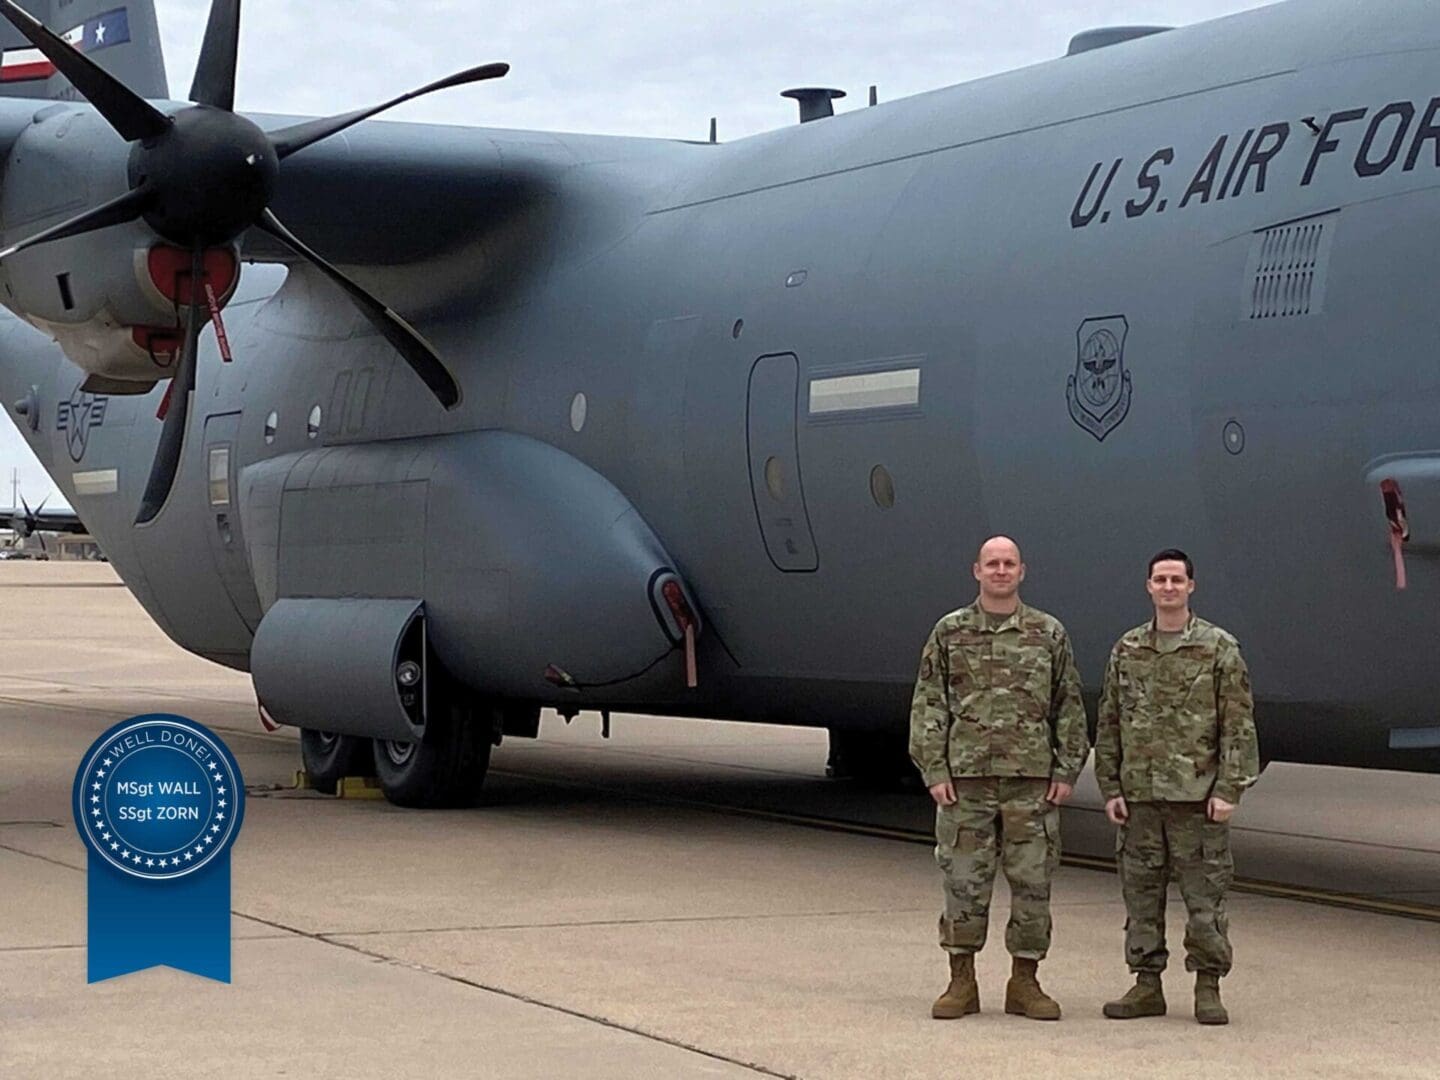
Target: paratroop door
column 775, row 478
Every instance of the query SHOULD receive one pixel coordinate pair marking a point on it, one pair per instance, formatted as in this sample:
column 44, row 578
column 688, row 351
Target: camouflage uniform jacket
column 998, row 701
column 1176, row 726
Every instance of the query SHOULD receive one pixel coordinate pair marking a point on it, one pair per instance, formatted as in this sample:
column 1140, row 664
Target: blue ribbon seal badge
column 158, row 801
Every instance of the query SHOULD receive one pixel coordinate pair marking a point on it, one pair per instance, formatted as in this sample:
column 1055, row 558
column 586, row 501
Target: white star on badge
column 106, row 763
column 222, row 802
column 94, row 798
column 94, row 787
column 99, row 772
column 209, row 839
column 198, row 849
column 137, row 860
column 164, row 863
column 100, row 34
column 188, row 856
column 149, row 862
column 114, row 846
column 125, row 854
column 213, row 828
column 222, row 792
column 219, row 816
column 105, row 836
column 96, row 811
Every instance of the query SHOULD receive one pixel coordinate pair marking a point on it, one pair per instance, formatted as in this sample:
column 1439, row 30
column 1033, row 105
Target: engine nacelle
column 112, row 299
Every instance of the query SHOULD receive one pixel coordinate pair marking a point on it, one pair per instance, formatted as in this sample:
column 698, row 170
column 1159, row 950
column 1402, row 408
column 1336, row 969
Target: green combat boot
column 962, row 996
column 1023, row 996
column 1208, row 1009
column 1145, row 998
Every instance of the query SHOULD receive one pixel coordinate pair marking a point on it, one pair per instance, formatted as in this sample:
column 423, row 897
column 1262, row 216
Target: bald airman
column 998, row 732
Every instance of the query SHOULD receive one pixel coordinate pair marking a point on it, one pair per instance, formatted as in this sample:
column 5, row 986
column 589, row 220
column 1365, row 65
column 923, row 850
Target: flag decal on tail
column 97, row 32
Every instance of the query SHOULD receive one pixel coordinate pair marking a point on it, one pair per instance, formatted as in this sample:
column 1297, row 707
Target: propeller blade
column 172, row 432
column 128, row 113
column 289, row 140
column 41, row 537
column 117, row 211
column 215, row 73
column 418, row 352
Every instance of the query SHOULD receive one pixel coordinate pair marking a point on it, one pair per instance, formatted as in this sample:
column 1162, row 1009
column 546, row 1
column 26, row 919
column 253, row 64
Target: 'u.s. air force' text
column 1370, row 143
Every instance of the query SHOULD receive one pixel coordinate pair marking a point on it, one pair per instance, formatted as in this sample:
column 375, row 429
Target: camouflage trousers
column 1004, row 820
column 1170, row 839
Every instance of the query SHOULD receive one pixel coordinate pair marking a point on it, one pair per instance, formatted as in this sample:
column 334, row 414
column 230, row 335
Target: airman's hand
column 1116, row 810
column 1217, row 809
column 943, row 793
column 1059, row 792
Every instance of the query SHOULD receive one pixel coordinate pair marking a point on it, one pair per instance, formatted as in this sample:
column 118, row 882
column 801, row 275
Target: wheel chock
column 359, row 787
column 302, row 781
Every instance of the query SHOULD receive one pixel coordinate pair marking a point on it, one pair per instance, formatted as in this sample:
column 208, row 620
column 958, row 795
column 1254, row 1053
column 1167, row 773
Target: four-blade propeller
column 203, row 176
column 30, row 525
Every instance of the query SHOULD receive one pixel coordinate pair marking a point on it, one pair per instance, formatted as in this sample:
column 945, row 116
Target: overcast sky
column 650, row 67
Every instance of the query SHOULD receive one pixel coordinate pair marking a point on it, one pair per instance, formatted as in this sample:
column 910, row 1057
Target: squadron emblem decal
column 77, row 416
column 1099, row 391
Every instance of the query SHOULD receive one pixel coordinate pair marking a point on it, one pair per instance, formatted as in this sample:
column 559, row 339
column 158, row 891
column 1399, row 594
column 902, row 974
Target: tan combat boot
column 1023, row 996
column 1145, row 998
column 1208, row 1008
column 962, row 996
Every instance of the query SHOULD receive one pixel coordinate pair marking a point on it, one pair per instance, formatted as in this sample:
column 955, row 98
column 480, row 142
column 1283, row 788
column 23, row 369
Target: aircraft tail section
column 122, row 36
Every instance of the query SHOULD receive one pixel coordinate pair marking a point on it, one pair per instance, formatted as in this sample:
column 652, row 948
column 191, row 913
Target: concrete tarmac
column 603, row 916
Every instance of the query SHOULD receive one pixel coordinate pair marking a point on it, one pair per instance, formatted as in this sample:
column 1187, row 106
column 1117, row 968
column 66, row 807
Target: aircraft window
column 1234, row 437
column 882, row 487
column 737, row 329
column 220, row 476
column 578, row 408
column 312, row 426
column 874, row 390
column 775, row 478
column 272, row 424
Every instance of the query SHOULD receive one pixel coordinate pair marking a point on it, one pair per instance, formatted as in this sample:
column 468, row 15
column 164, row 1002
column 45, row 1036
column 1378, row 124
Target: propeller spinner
column 202, row 177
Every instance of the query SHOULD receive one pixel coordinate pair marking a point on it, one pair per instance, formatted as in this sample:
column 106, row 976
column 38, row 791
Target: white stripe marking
column 97, row 482
column 874, row 390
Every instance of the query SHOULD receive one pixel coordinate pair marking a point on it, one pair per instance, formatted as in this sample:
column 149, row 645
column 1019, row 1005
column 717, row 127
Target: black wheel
column 328, row 757
column 447, row 767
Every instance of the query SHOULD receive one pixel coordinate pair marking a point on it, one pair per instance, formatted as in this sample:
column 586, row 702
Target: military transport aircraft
column 25, row 522
column 714, row 429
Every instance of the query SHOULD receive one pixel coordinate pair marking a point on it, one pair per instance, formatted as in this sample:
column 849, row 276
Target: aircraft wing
column 390, row 195
column 25, row 522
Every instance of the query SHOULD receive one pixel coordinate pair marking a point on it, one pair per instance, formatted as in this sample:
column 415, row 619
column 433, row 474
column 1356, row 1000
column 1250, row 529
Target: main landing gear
column 328, row 758
column 446, row 768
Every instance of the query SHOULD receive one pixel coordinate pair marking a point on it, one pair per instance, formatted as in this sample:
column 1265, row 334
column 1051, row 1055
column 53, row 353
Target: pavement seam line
column 516, row 995
column 473, row 983
column 1251, row 886
column 627, row 922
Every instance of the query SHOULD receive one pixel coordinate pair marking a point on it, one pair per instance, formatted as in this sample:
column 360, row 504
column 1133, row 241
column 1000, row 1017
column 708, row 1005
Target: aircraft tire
column 329, row 757
column 445, row 769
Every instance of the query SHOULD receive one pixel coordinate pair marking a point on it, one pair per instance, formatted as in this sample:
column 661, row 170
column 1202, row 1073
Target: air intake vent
column 1287, row 271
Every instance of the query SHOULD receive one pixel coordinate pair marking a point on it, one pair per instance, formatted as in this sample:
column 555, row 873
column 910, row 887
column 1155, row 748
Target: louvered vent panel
column 1288, row 268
